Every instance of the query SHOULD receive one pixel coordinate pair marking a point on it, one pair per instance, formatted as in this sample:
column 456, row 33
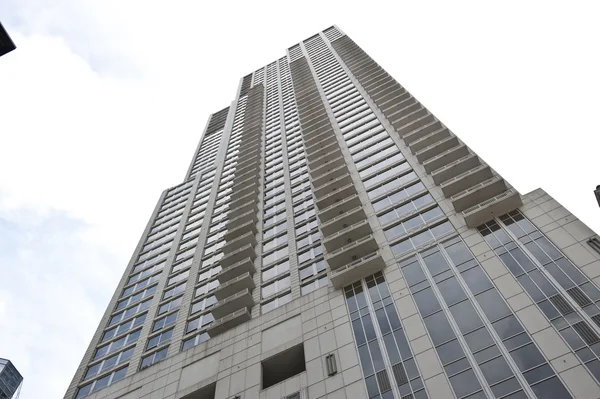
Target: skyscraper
column 6, row 43
column 10, row 380
column 333, row 239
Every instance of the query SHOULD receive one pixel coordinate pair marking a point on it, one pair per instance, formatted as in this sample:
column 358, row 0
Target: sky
column 104, row 101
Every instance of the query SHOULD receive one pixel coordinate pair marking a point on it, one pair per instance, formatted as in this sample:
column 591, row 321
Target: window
column 155, row 357
column 312, row 269
column 163, row 322
column 275, row 255
column 422, row 238
column 313, row 285
column 179, row 277
column 398, row 196
column 392, row 185
column 208, row 273
column 310, row 225
column 129, row 312
column 140, row 285
column 269, row 245
column 274, row 219
column 116, row 345
column 171, row 305
column 174, row 291
column 282, row 366
column 203, row 304
column 122, row 328
column 159, row 339
column 275, row 286
column 108, row 363
column 275, row 303
column 275, row 270
column 199, row 322
column 308, row 240
column 203, row 289
column 101, row 383
column 310, row 254
column 195, row 340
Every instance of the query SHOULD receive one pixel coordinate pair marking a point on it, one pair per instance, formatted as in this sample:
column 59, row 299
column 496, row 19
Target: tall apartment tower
column 6, row 43
column 10, row 380
column 333, row 239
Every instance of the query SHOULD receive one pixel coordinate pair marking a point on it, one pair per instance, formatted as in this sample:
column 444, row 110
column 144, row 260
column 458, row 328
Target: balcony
column 349, row 253
column 235, row 270
column 247, row 163
column 390, row 101
column 241, row 184
column 239, row 201
column 347, row 234
column 503, row 203
column 240, row 230
column 440, row 133
column 455, row 168
column 318, row 134
column 247, row 143
column 242, row 299
column 408, row 114
column 345, row 218
column 415, row 124
column 336, row 196
column 249, row 206
column 228, row 322
column 356, row 270
column 338, row 209
column 246, row 251
column 437, row 148
column 465, row 180
column 329, row 174
column 323, row 133
column 252, row 188
column 399, row 106
column 422, row 132
column 311, row 156
column 242, row 219
column 322, row 160
column 333, row 184
column 237, row 284
column 242, row 174
column 329, row 165
column 478, row 193
column 250, row 155
column 239, row 242
column 324, row 142
column 446, row 157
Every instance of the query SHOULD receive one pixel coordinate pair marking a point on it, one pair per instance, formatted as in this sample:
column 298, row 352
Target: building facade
column 333, row 239
column 10, row 380
column 6, row 43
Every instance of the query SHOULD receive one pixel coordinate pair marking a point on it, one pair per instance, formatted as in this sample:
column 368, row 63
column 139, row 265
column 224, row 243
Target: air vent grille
column 400, row 374
column 579, row 297
column 561, row 304
column 384, row 381
column 588, row 335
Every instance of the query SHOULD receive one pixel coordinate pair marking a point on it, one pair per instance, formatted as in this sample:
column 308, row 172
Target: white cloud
column 103, row 103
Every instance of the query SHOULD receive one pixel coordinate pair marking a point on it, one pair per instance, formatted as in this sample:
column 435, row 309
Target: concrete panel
column 551, row 343
column 532, row 319
column 200, row 370
column 581, row 383
column 281, row 333
column 428, row 363
column 438, row 387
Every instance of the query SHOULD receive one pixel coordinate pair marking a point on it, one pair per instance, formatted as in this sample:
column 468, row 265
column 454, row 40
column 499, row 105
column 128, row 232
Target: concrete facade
column 413, row 237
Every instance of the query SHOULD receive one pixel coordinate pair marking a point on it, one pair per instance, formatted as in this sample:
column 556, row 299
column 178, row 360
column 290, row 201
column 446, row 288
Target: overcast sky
column 103, row 103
